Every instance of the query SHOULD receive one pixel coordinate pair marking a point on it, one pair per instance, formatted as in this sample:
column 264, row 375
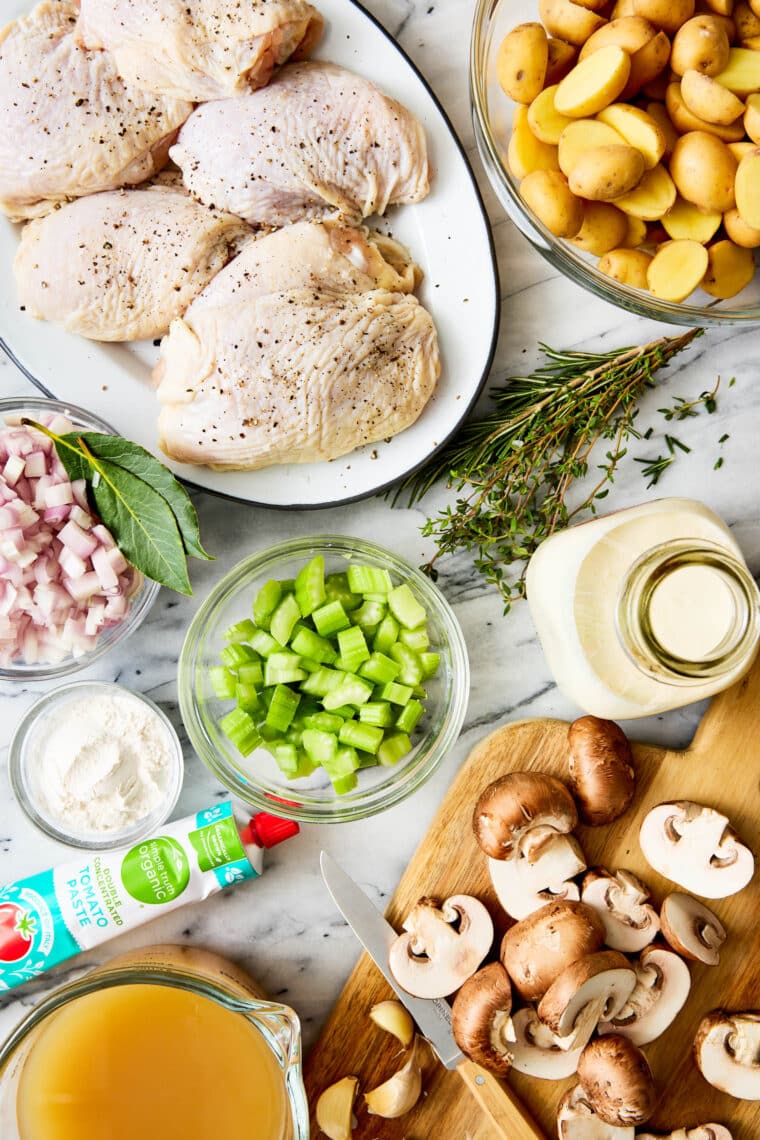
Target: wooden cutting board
column 721, row 769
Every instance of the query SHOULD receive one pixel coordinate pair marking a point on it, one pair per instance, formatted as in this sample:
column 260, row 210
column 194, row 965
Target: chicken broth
column 150, row 1061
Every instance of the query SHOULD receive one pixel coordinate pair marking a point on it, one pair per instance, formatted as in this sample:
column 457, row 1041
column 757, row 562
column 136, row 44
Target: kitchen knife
column 509, row 1118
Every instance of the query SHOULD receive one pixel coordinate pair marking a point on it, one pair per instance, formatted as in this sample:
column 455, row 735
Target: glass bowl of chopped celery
column 324, row 679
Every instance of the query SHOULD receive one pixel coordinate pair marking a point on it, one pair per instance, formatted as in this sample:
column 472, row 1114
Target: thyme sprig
column 515, row 469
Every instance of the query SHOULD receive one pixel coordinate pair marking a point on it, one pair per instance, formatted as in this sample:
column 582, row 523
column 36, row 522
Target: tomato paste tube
column 50, row 917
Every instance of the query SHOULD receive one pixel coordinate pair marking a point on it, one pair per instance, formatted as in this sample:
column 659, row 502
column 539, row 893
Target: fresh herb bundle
column 148, row 512
column 515, row 468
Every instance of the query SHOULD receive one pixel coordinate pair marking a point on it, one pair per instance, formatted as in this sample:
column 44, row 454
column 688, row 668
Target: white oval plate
column 448, row 235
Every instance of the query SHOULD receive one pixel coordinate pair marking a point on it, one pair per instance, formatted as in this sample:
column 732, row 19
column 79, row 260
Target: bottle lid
column 269, row 830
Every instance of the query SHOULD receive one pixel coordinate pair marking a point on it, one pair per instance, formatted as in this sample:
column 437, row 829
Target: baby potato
column 726, row 22
column 638, row 129
column 525, row 152
column 738, row 150
column 521, row 62
column 629, row 266
column 708, row 100
column 742, row 72
column 752, row 117
column 730, row 268
column 594, row 83
column 629, row 32
column 583, row 135
column 544, row 119
column 755, row 6
column 606, row 172
column 593, row 5
column 665, row 14
column 656, row 88
column 568, row 21
column 685, row 220
column 701, row 44
column 752, row 43
column 652, row 198
column 561, row 57
column 646, row 64
column 636, row 232
column 685, row 120
column 548, row 195
column 659, row 112
column 748, row 189
column 676, row 270
column 704, row 171
column 720, row 7
column 604, row 228
column 621, row 9
column 747, row 23
column 738, row 230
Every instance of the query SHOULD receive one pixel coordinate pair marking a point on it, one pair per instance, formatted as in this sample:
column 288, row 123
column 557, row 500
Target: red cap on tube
column 269, row 830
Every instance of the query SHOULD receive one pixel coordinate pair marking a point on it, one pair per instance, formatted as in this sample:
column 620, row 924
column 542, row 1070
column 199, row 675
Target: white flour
column 100, row 763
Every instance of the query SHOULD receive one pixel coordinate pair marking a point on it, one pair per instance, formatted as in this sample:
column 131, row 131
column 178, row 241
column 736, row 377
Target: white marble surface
column 284, row 928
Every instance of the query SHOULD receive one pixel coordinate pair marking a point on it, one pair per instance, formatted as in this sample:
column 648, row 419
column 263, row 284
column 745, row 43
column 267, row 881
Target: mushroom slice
column 617, row 1080
column 620, row 900
column 662, row 986
column 530, row 879
column 536, row 950
column 591, row 990
column 692, row 928
column 443, row 946
column 480, row 1017
column 576, row 1120
column 695, row 847
column 699, row 1132
column 727, row 1049
column 538, row 1052
column 516, row 803
column 601, row 770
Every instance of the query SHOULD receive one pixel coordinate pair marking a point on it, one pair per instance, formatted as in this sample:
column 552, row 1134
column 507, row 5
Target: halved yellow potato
column 752, row 43
column 665, row 14
column 594, row 83
column 621, row 9
column 629, row 32
column 521, row 62
column 548, row 195
column 685, row 120
column 742, row 72
column 701, row 44
column 606, row 172
column 730, row 268
column 638, row 129
column 652, row 198
column 739, row 231
column 748, row 189
column 604, row 228
column 646, row 64
column 755, row 6
column 659, row 112
column 628, row 266
column 738, row 150
column 752, row 117
column 568, row 21
column 747, row 23
column 525, row 152
column 710, row 100
column 545, row 120
column 720, row 7
column 704, row 171
column 636, row 232
column 562, row 57
column 677, row 269
column 685, row 220
column 583, row 135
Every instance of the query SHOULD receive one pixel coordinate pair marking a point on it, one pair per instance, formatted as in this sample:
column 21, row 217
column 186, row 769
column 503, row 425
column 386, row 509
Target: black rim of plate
column 381, row 488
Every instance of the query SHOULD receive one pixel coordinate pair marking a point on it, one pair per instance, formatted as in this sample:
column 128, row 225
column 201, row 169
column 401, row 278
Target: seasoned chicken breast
column 317, row 141
column 200, row 49
column 308, row 345
column 122, row 264
column 69, row 125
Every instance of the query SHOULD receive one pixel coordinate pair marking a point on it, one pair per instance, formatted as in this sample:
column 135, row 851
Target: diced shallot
column 59, row 495
column 13, row 470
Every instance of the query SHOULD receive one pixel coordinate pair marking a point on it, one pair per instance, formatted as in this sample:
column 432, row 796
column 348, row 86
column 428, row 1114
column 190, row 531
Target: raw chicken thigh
column 318, row 140
column 122, row 264
column 305, row 347
column 200, row 49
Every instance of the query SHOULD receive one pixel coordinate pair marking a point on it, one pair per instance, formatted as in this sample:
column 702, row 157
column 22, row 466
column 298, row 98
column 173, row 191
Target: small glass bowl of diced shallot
column 67, row 594
column 325, row 678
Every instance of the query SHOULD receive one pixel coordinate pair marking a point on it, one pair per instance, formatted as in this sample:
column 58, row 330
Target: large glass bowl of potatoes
column 622, row 137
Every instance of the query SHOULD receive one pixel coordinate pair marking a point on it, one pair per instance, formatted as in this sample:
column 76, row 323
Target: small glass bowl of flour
column 95, row 765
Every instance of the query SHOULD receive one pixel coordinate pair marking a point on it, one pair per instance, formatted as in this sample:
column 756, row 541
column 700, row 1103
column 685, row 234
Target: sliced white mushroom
column 538, row 1052
column 692, row 928
column 727, row 1050
column 620, row 900
column 576, row 1120
column 662, row 986
column 535, row 876
column 591, row 990
column 698, row 1132
column 443, row 945
column 695, row 847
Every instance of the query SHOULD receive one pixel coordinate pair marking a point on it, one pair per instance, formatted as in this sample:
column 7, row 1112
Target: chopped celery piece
column 411, row 667
column 320, row 747
column 345, row 712
column 353, row 648
column 266, row 602
column 264, row 643
column 324, row 721
column 322, row 682
column 377, row 712
column 409, row 717
column 368, row 580
column 240, row 631
column 268, row 733
column 283, row 669
column 310, row 586
column 330, row 619
column 337, row 590
column 393, row 748
column 284, row 619
column 344, row 784
column 309, row 644
column 395, row 693
column 380, row 669
column 353, row 691
column 235, row 655
column 282, row 709
column 386, row 635
column 365, row 737
column 223, row 682
column 247, row 697
column 430, row 663
column 309, row 706
column 405, row 607
column 239, row 727
column 416, row 639
column 369, row 615
column 345, row 760
column 291, row 760
column 251, row 673
column 420, row 692
column 309, row 665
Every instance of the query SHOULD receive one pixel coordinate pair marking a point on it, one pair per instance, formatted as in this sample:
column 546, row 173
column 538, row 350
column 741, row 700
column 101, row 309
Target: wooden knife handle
column 505, row 1112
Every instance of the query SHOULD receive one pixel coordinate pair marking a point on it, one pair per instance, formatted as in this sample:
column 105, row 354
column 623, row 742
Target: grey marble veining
column 284, row 928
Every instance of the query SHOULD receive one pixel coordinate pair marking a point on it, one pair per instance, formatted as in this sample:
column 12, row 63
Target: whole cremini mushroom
column 480, row 1018
column 695, row 846
column 517, row 803
column 617, row 1080
column 602, row 776
column 443, row 945
column 692, row 928
column 536, row 950
column 727, row 1051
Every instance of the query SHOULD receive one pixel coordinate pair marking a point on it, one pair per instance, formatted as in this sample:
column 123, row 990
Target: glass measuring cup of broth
column 170, row 1043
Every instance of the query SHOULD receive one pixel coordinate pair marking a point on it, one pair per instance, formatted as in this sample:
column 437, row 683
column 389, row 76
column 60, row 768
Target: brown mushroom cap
column 602, row 777
column 617, row 1080
column 519, row 802
column 538, row 949
column 480, row 1015
column 698, row 1132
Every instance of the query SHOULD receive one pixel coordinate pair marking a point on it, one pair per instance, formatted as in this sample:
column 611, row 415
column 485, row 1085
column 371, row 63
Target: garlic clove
column 335, row 1108
column 400, row 1093
column 394, row 1018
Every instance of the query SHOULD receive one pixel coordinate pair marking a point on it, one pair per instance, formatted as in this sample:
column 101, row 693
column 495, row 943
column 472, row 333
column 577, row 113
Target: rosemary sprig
column 516, row 467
